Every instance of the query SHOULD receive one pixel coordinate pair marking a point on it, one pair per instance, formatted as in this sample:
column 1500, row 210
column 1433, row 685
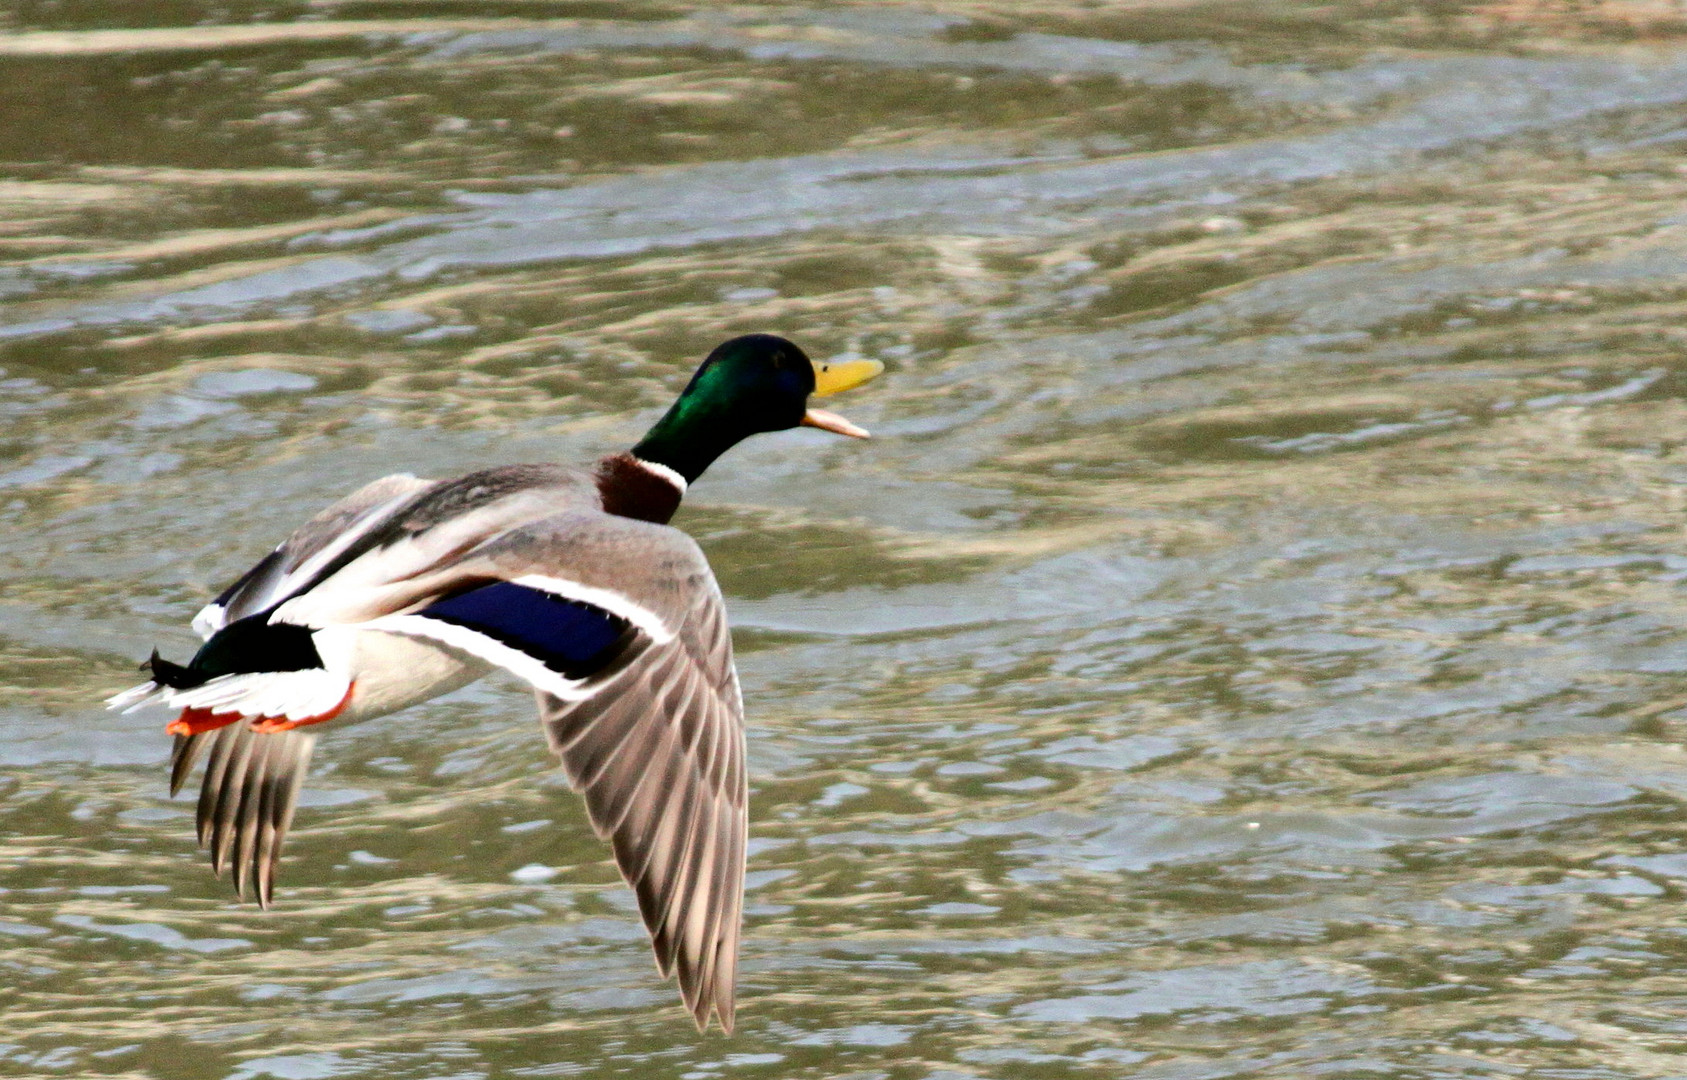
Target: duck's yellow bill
column 836, row 376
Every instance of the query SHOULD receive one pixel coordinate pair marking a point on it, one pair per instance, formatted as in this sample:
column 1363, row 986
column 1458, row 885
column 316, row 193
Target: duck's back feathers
column 300, row 561
column 403, row 560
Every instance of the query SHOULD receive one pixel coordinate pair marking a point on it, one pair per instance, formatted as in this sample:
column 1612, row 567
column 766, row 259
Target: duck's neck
column 634, row 487
column 689, row 438
column 705, row 422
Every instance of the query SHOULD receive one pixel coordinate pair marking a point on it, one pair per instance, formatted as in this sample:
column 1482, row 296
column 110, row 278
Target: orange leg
column 194, row 721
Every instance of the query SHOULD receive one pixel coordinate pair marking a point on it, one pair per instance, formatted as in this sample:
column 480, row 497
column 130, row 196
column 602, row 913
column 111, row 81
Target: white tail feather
column 294, row 695
column 132, row 698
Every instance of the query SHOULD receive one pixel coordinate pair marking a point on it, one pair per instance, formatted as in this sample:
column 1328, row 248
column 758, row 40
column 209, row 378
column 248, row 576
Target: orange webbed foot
column 271, row 725
column 195, row 721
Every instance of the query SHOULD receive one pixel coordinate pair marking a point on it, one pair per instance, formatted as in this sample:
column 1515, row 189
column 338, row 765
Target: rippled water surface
column 1254, row 644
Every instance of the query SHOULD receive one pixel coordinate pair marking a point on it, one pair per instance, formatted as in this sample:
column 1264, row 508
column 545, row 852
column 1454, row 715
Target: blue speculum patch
column 572, row 638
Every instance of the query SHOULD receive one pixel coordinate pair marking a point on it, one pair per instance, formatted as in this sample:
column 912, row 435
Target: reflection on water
column 1251, row 647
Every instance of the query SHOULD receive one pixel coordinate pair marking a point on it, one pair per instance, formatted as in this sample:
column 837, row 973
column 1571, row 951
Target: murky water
column 1253, row 646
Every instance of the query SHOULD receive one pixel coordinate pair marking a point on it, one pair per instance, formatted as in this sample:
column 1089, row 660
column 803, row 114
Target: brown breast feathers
column 630, row 489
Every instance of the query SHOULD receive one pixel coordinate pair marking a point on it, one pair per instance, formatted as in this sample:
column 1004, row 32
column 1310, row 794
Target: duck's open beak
column 831, row 421
column 831, row 377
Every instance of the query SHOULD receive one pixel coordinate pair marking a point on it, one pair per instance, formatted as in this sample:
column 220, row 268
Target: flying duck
column 569, row 578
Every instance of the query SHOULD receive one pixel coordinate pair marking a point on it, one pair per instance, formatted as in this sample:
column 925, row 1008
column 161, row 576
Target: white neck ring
column 658, row 469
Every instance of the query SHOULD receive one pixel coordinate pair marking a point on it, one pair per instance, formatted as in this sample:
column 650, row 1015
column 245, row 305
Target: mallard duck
column 569, row 578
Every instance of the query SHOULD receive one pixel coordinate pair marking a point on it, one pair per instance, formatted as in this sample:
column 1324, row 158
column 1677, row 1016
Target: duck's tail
column 271, row 700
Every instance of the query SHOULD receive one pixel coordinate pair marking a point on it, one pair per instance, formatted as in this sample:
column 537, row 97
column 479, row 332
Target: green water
column 1252, row 646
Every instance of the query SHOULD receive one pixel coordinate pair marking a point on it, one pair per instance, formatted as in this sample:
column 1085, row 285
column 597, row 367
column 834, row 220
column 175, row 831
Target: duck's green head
column 751, row 384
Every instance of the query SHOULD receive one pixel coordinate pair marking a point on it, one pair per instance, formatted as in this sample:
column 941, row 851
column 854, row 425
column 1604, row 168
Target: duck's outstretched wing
column 620, row 627
column 658, row 754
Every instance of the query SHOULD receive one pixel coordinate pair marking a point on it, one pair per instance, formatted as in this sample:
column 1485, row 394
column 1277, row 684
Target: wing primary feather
column 731, row 916
column 642, row 851
column 298, row 746
column 247, row 798
column 651, row 754
column 226, row 800
column 246, row 817
column 680, row 871
column 648, row 818
column 690, row 891
column 645, row 792
column 710, row 748
column 593, row 745
column 689, row 912
column 184, row 754
column 223, row 741
column 676, row 817
column 594, row 749
column 263, row 862
column 716, row 901
column 656, row 750
column 654, row 854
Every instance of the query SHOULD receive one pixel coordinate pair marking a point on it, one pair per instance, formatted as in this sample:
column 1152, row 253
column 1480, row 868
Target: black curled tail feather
column 175, row 676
